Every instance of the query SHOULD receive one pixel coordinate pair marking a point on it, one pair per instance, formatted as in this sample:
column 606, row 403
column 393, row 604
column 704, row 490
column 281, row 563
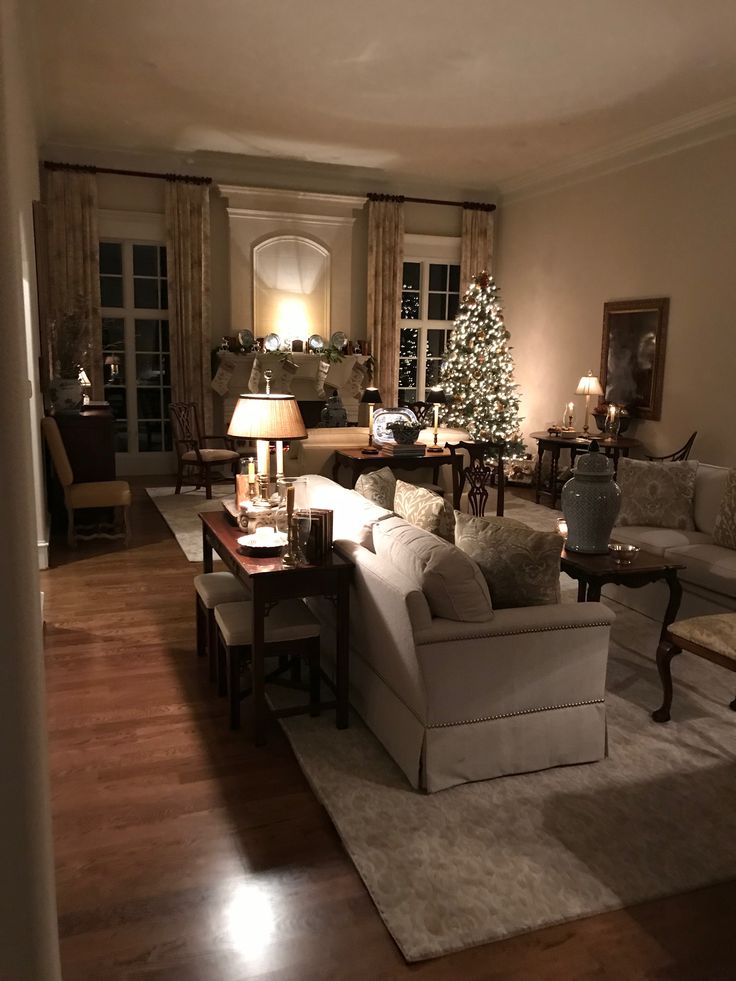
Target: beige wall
column 663, row 228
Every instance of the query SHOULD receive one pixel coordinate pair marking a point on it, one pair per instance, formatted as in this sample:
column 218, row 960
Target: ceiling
column 473, row 94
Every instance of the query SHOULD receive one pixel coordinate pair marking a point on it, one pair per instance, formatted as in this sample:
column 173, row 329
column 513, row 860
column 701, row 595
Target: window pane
column 121, row 437
column 149, row 403
column 145, row 294
column 164, row 295
column 412, row 273
column 116, row 398
column 407, row 372
column 165, row 369
column 453, row 302
column 164, row 335
column 409, row 342
column 167, row 435
column 437, row 276
column 436, row 310
column 409, row 306
column 435, row 343
column 454, row 279
column 111, row 258
column 113, row 369
column 145, row 260
column 149, row 437
column 407, row 396
column 113, row 336
column 162, row 261
column 432, row 374
column 165, row 402
column 111, row 291
column 148, row 369
column 146, row 335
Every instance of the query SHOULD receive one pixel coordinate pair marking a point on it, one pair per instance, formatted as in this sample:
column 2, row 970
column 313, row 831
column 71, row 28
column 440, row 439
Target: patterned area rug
column 488, row 860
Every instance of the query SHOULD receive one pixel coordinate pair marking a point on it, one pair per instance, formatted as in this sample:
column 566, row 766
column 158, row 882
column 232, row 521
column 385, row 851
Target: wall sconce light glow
column 250, row 920
column 292, row 319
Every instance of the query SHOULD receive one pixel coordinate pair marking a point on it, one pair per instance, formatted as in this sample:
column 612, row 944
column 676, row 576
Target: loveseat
column 709, row 577
column 453, row 700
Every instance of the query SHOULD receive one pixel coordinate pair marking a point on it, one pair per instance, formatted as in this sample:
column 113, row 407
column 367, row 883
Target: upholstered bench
column 712, row 637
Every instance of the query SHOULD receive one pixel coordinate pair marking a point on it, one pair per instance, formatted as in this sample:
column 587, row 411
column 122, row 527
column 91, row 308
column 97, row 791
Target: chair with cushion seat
column 212, row 589
column 291, row 631
column 711, row 637
column 192, row 451
column 682, row 454
column 77, row 497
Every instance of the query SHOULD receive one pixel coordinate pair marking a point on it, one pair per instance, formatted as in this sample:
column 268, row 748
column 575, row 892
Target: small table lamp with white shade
column 372, row 397
column 436, row 397
column 588, row 385
column 263, row 418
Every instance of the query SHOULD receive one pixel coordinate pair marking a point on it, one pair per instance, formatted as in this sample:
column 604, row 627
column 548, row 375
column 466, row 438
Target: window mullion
column 131, row 392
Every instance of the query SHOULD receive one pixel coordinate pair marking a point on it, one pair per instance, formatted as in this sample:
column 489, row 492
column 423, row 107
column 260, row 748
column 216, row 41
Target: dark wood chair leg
column 179, row 477
column 732, row 705
column 232, row 656
column 218, row 664
column 201, row 615
column 208, row 483
column 296, row 670
column 665, row 652
column 314, row 678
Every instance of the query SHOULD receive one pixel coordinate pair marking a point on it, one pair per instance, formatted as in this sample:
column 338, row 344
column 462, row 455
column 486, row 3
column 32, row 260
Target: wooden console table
column 358, row 462
column 614, row 446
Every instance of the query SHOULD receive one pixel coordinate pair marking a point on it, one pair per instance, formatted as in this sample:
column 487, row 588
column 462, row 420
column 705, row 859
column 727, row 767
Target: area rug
column 485, row 861
column 180, row 511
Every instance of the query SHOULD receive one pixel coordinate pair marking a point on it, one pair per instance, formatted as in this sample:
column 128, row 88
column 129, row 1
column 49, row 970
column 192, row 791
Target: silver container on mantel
column 591, row 499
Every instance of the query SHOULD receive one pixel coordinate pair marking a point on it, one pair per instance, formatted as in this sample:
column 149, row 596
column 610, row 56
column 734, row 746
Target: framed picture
column 632, row 354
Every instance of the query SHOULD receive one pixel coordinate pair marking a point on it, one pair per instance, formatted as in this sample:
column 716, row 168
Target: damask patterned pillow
column 657, row 495
column 378, row 486
column 724, row 532
column 421, row 508
column 520, row 565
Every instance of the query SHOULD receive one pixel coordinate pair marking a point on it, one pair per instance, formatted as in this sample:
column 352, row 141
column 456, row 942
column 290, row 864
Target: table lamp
column 436, row 397
column 372, row 397
column 263, row 418
column 588, row 385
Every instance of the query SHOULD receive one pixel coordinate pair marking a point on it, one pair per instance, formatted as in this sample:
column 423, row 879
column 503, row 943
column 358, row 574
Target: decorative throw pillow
column 724, row 532
column 520, row 565
column 378, row 486
column 657, row 495
column 419, row 506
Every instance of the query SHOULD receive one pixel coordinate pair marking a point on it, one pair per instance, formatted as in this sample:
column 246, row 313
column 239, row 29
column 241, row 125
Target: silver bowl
column 623, row 554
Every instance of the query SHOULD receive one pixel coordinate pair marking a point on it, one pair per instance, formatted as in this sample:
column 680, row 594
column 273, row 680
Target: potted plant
column 70, row 344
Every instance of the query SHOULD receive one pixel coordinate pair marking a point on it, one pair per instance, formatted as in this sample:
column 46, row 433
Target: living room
column 150, row 840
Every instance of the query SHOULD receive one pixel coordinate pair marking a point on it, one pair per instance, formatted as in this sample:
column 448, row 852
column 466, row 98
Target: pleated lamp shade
column 589, row 385
column 274, row 416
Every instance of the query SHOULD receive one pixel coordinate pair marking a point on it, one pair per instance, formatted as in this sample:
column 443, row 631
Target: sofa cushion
column 710, row 486
column 353, row 516
column 378, row 486
column 425, row 509
column 709, row 566
column 724, row 532
column 520, row 565
column 451, row 581
column 657, row 495
column 658, row 540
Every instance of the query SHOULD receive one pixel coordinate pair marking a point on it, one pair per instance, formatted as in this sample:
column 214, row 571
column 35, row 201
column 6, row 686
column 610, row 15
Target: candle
column 251, row 470
column 611, row 412
column 289, row 502
column 570, row 413
column 562, row 527
column 279, row 458
column 262, row 450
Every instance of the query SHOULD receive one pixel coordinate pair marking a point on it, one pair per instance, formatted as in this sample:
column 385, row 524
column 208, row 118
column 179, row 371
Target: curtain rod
column 86, row 169
column 469, row 205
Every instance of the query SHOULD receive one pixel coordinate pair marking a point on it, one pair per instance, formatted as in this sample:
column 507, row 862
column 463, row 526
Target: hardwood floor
column 185, row 853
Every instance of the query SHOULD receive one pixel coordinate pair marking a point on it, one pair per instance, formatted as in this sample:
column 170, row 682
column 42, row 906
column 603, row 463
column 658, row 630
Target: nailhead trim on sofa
column 509, row 715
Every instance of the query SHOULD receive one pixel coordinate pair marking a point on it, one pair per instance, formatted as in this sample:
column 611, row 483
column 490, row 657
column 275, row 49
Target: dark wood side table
column 358, row 462
column 612, row 446
column 592, row 572
column 269, row 581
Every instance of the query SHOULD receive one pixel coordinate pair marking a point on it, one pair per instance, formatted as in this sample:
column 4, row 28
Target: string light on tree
column 478, row 371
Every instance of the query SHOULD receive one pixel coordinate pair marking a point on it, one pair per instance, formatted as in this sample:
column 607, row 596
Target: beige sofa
column 709, row 577
column 452, row 701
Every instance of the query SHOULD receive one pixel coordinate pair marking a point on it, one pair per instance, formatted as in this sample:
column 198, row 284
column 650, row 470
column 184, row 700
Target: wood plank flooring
column 185, row 854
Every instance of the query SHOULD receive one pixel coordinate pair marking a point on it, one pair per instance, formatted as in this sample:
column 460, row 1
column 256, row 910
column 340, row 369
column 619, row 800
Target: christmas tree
column 478, row 371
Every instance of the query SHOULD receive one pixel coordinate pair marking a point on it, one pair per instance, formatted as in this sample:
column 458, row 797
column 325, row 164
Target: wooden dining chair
column 682, row 454
column 192, row 451
column 81, row 496
column 479, row 474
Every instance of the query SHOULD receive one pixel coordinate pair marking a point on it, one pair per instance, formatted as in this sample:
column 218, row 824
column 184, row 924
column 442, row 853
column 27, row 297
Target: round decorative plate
column 253, row 545
column 272, row 342
column 338, row 339
column 245, row 338
column 316, row 342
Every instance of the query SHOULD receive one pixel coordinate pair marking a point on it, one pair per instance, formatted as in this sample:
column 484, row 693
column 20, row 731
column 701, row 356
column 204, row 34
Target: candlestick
column 279, row 458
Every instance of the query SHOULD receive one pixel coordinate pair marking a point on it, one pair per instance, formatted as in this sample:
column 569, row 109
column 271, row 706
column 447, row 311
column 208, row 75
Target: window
column 135, row 344
column 430, row 297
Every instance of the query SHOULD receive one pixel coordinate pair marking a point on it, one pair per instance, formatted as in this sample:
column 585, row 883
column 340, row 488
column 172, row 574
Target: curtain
column 385, row 251
column 69, row 196
column 188, row 264
column 476, row 248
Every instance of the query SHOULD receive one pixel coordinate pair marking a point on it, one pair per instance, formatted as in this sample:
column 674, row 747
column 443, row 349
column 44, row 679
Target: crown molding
column 233, row 190
column 295, row 216
column 681, row 133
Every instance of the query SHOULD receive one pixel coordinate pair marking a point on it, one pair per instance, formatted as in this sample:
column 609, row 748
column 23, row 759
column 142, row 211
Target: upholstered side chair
column 192, row 451
column 94, row 494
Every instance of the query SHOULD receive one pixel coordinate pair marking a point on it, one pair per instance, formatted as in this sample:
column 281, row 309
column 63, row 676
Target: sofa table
column 358, row 462
column 269, row 581
column 614, row 446
column 592, row 572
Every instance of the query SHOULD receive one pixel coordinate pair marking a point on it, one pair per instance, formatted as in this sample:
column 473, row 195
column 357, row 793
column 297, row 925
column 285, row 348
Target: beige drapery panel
column 476, row 248
column 188, row 263
column 69, row 196
column 385, row 255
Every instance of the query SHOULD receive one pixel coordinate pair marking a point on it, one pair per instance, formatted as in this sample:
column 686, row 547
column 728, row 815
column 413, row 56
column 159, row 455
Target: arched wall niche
column 291, row 287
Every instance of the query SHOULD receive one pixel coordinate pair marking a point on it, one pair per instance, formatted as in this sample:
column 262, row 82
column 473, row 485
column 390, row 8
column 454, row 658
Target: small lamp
column 588, row 385
column 263, row 418
column 372, row 397
column 436, row 397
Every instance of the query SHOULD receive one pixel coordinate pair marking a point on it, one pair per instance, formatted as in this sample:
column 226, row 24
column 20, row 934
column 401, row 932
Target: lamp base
column 370, row 451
